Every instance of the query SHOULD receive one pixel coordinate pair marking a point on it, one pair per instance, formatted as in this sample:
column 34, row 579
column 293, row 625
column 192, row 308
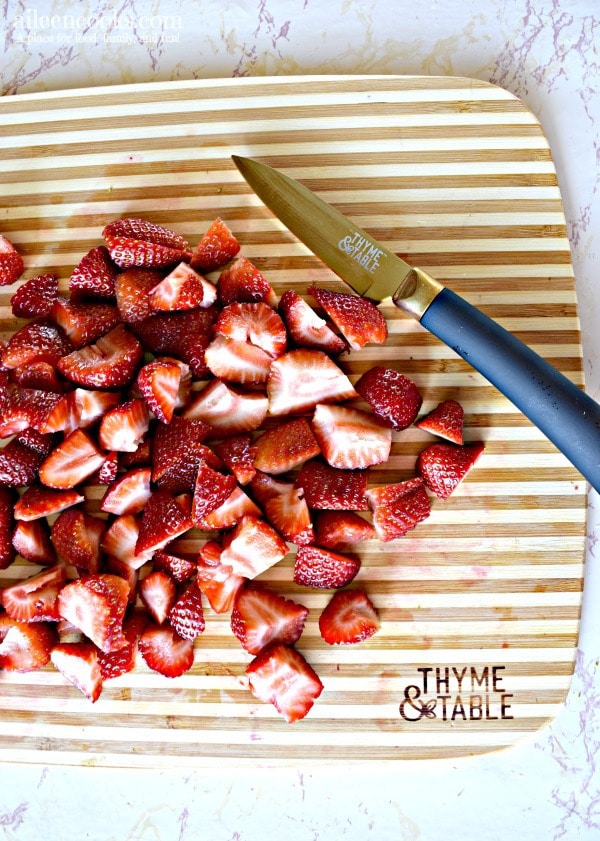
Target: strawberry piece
column 96, row 605
column 25, row 646
column 120, row 539
column 165, row 386
column 256, row 323
column 305, row 327
column 333, row 488
column 116, row 663
column 166, row 652
column 337, row 529
column 177, row 452
column 394, row 398
column 243, row 282
column 11, row 263
column 398, row 508
column 108, row 472
column 180, row 569
column 252, row 547
column 285, row 508
column 78, row 662
column 301, row 378
column 38, row 501
column 227, row 410
column 163, row 520
column 34, row 298
column 281, row 676
column 237, row 505
column 158, row 594
column 31, row 539
column 132, row 290
column 217, row 580
column 238, row 453
column 40, row 442
column 19, row 464
column 79, row 409
column 237, row 361
column 348, row 618
column 129, row 493
column 350, row 438
column 185, row 335
column 71, row 462
column 186, row 617
column 94, row 276
column 123, row 428
column 216, row 248
column 318, row 567
column 109, row 363
column 260, row 617
column 285, row 447
column 84, row 323
column 358, row 320
column 210, row 492
column 77, row 536
column 138, row 242
column 25, row 408
column 182, row 289
column 444, row 466
column 38, row 374
column 7, row 526
column 445, row 421
column 117, row 567
column 36, row 341
column 35, row 598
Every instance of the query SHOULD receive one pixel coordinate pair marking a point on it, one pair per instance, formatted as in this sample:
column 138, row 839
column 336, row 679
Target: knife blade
column 564, row 413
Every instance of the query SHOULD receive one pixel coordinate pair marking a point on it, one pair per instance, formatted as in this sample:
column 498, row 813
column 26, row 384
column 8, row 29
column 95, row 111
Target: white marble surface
column 544, row 51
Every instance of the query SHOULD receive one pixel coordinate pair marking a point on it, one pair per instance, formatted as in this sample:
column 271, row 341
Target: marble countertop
column 545, row 52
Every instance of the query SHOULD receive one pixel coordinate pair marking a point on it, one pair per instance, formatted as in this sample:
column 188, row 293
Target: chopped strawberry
column 243, row 282
column 96, row 605
column 84, row 323
column 260, row 617
column 358, row 320
column 398, row 508
column 285, row 446
column 338, row 529
column 445, row 421
column 166, row 652
column 25, row 408
column 185, row 335
column 109, row 363
column 318, row 567
column 129, row 493
column 25, row 646
column 34, row 297
column 210, row 492
column 286, row 509
column 40, row 442
column 177, row 451
column 186, row 617
column 237, row 505
column 216, row 580
column 333, row 488
column 350, row 438
column 394, row 398
column 138, row 242
column 132, row 290
column 256, row 323
column 305, row 327
column 216, row 248
column 36, row 341
column 118, row 567
column 281, row 676
column 227, row 410
column 38, row 374
column 123, row 428
column 238, row 453
column 444, row 466
column 158, row 594
column 252, row 547
column 165, row 386
column 301, row 378
column 163, row 520
column 7, row 526
column 116, row 663
column 348, row 618
column 77, row 536
column 34, row 599
column 31, row 539
column 11, row 263
column 19, row 464
column 71, row 462
column 80, row 408
column 180, row 569
column 38, row 501
column 78, row 662
column 120, row 539
column 182, row 289
column 107, row 473
column 94, row 276
column 237, row 361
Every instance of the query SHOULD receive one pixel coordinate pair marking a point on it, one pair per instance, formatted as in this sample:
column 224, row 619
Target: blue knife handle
column 560, row 409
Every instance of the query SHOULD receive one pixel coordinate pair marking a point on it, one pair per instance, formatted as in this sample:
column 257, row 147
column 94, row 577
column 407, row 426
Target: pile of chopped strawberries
column 175, row 380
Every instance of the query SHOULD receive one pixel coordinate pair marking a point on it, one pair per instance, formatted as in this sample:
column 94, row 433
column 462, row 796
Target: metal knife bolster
column 414, row 295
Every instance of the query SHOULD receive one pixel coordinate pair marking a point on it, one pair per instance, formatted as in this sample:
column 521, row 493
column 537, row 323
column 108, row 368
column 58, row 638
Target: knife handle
column 568, row 417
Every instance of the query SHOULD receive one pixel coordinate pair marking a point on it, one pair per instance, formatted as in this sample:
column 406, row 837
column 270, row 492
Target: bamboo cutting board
column 480, row 604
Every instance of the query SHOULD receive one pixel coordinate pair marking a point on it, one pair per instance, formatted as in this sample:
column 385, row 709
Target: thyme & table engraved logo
column 457, row 693
column 111, row 26
column 362, row 250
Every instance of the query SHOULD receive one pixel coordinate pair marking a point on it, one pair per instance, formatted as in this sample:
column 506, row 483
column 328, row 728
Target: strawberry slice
column 96, row 605
column 350, row 438
column 38, row 374
column 94, row 276
column 138, row 242
column 348, row 618
column 116, row 663
column 237, row 361
column 215, row 249
column 165, row 385
column 36, row 341
column 252, row 547
column 79, row 409
column 77, row 536
column 108, row 472
column 123, row 428
column 71, row 462
column 38, row 501
column 7, row 525
column 186, row 617
column 35, row 598
column 358, row 320
column 84, row 323
column 132, row 290
column 444, row 466
column 34, row 297
column 182, row 289
column 24, row 408
column 285, row 508
column 301, row 378
column 256, row 323
column 285, row 447
column 333, row 488
column 243, row 282
column 216, row 580
column 117, row 567
column 227, row 410
column 31, row 539
column 180, row 569
column 281, row 676
column 38, row 441
column 166, row 652
column 260, row 617
column 338, row 529
column 177, row 451
column 305, row 327
column 398, row 508
column 163, row 520
column 25, row 646
column 79, row 663
column 185, row 335
column 120, row 539
column 322, row 568
column 237, row 505
column 19, row 464
column 238, row 453
column 446, row 420
column 129, row 493
column 394, row 398
column 109, row 363
column 158, row 594
column 11, row 263
column 210, row 492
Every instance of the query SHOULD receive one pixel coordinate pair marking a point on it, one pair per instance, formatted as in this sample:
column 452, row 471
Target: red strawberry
column 158, row 594
column 348, row 618
column 285, row 447
column 227, row 410
column 185, row 335
column 25, row 408
column 301, row 378
column 238, row 453
column 216, row 580
column 398, row 508
column 129, row 493
column 38, row 441
column 36, row 341
column 108, row 471
column 281, row 676
column 25, row 646
column 186, row 617
column 165, row 386
column 182, row 289
column 330, row 487
column 78, row 662
column 77, row 536
column 285, row 508
column 38, row 501
column 132, row 290
column 123, row 428
column 252, row 547
column 210, row 492
column 180, row 569
column 116, row 663
column 138, row 242
column 305, row 327
column 357, row 319
column 163, row 520
column 7, row 526
column 94, row 276
column 350, row 438
column 96, row 605
column 243, row 282
column 34, row 599
column 31, row 539
column 216, row 248
column 117, row 567
column 71, row 462
column 11, row 263
column 166, row 652
column 446, row 421
column 38, row 374
column 79, row 409
column 317, row 567
column 444, row 466
column 337, row 529
column 177, row 451
column 34, row 298
column 260, row 617
column 84, row 323
column 120, row 539
column 19, row 464
column 237, row 361
column 109, row 363
column 256, row 323
column 237, row 505
column 394, row 398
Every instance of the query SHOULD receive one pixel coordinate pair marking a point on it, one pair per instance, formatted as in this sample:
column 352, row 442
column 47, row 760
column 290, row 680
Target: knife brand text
column 361, row 250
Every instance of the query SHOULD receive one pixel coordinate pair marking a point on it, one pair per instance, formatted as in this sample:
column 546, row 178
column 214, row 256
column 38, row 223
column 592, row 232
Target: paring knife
column 568, row 417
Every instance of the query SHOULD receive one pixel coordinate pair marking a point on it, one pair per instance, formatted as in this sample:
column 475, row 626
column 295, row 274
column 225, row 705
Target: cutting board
column 480, row 604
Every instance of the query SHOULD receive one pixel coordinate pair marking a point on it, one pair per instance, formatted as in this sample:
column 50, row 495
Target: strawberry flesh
column 165, row 652
column 260, row 617
column 446, row 420
column 281, row 676
column 96, row 605
column 398, row 508
column 78, row 662
column 215, row 249
column 348, row 618
column 357, row 319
